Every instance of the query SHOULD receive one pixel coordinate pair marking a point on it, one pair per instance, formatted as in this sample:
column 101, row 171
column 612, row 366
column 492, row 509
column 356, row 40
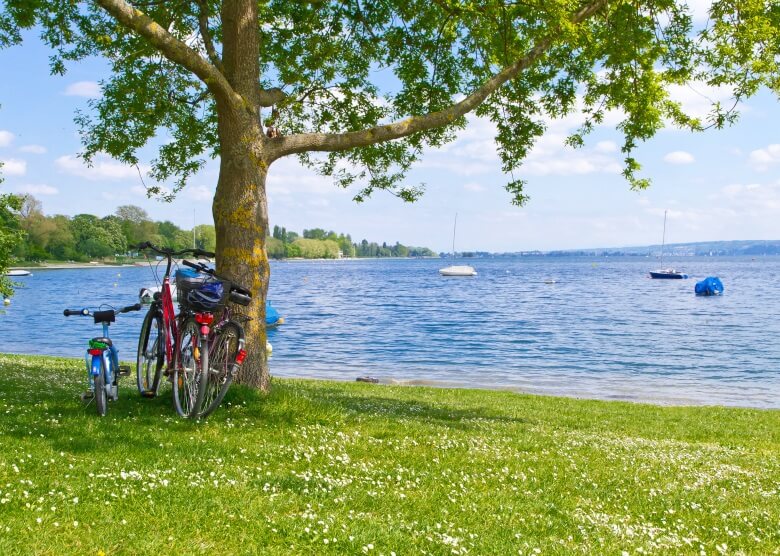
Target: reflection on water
column 578, row 327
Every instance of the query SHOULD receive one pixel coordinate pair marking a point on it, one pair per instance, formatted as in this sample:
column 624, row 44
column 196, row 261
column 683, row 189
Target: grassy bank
column 326, row 467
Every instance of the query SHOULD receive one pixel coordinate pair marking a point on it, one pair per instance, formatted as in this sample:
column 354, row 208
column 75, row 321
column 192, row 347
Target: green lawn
column 349, row 468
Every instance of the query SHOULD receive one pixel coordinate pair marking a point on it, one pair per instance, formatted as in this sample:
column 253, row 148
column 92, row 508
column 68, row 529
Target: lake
column 602, row 330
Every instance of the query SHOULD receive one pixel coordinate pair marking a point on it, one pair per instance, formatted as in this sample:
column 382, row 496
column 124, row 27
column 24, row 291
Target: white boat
column 666, row 273
column 457, row 270
column 18, row 273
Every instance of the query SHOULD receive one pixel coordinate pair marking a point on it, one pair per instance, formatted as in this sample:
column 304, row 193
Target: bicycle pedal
column 125, row 370
column 87, row 396
column 148, row 394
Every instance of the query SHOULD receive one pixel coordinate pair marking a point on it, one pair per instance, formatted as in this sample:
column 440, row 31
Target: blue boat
column 272, row 316
column 711, row 285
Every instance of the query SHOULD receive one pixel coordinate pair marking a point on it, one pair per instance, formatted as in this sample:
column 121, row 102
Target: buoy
column 6, row 301
column 269, row 349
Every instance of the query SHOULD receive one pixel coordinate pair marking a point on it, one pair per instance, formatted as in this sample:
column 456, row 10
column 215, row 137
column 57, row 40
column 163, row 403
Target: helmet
column 206, row 297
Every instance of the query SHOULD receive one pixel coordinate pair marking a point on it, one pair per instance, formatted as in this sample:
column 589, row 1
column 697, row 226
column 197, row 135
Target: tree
column 254, row 82
column 205, row 237
column 11, row 235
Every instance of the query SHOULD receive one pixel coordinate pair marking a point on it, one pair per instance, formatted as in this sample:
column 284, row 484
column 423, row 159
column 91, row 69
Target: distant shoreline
column 65, row 266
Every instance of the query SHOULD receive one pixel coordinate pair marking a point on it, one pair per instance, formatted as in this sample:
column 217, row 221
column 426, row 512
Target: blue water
column 603, row 330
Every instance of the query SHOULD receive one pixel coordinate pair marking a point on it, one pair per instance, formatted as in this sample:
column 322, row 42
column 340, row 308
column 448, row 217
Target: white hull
column 18, row 273
column 458, row 270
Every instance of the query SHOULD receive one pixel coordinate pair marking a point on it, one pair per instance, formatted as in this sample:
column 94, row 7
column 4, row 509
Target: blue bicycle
column 102, row 359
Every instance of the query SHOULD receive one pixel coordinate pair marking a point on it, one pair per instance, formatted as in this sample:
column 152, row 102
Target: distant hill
column 696, row 249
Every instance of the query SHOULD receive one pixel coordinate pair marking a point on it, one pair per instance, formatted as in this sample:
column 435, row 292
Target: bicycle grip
column 136, row 307
column 143, row 245
column 202, row 253
column 69, row 312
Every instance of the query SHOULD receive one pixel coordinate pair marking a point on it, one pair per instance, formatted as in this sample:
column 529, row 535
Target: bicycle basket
column 200, row 292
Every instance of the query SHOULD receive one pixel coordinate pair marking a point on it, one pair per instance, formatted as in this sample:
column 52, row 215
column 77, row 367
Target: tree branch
column 291, row 144
column 172, row 48
column 203, row 25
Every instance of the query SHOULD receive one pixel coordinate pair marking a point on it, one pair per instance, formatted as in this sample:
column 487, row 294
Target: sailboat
column 457, row 270
column 666, row 273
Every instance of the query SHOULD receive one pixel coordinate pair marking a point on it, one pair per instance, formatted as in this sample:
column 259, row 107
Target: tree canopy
column 334, row 75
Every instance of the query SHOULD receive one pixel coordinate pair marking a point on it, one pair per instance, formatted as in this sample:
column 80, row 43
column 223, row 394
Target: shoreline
column 65, row 266
column 579, row 394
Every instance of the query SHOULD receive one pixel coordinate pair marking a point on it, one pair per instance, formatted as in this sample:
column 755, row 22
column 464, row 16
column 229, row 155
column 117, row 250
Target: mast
column 663, row 239
column 454, row 227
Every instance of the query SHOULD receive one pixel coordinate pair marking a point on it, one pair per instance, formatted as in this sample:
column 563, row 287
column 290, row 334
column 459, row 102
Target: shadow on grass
column 297, row 402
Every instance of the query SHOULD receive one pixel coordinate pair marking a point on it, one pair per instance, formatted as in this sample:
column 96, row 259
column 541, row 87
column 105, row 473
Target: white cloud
column 570, row 164
column 88, row 89
column 34, row 149
column 199, row 193
column 754, row 200
column 288, row 178
column 606, row 147
column 700, row 10
column 679, row 157
column 6, row 138
column 697, row 98
column 37, row 189
column 476, row 151
column 762, row 159
column 103, row 168
column 473, row 186
column 13, row 167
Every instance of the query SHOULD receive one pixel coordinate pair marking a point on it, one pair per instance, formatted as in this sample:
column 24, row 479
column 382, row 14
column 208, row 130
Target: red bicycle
column 169, row 343
column 179, row 345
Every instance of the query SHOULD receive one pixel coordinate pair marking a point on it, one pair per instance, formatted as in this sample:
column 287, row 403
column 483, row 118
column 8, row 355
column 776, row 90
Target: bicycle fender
column 95, row 367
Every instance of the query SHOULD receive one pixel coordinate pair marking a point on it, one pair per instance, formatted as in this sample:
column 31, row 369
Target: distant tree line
column 320, row 244
column 85, row 236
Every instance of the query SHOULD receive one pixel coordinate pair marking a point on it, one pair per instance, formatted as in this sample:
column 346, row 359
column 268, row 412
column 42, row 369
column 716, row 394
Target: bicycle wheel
column 101, row 398
column 151, row 354
column 187, row 370
column 223, row 349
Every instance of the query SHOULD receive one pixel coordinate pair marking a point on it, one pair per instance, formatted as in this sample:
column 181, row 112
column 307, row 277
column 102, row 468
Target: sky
column 717, row 185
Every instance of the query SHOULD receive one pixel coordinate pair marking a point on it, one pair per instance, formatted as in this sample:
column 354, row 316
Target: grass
column 348, row 468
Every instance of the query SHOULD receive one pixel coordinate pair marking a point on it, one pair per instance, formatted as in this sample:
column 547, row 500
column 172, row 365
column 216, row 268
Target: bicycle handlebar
column 86, row 313
column 171, row 252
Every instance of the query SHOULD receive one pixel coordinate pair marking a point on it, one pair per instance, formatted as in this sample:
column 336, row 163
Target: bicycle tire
column 223, row 349
column 187, row 370
column 101, row 398
column 152, row 357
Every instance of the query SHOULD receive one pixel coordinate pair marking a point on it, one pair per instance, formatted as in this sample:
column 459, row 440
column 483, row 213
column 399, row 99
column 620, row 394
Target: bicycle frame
column 169, row 318
column 100, row 356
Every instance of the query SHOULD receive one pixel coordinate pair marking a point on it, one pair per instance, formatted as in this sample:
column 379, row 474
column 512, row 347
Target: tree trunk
column 240, row 208
column 241, row 220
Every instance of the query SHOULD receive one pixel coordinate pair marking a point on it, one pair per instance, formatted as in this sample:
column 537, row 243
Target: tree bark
column 240, row 213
